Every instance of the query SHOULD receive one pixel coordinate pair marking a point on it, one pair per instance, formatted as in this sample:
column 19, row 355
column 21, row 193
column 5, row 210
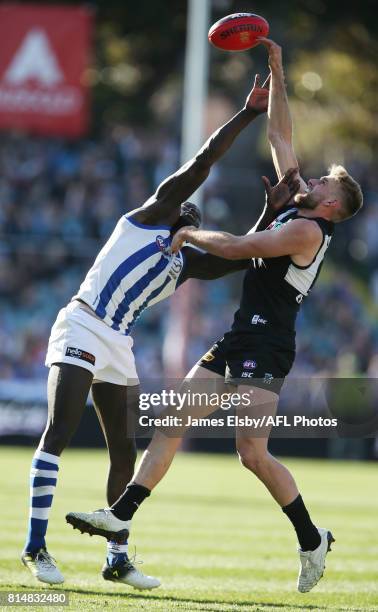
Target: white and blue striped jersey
column 134, row 270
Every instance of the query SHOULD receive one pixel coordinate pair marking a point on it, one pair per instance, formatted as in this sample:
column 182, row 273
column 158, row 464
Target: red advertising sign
column 44, row 53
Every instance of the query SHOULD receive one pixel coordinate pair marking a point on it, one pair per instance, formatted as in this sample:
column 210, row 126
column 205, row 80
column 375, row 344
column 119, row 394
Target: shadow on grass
column 207, row 602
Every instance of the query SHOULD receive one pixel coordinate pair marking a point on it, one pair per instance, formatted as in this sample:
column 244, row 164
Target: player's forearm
column 280, row 125
column 221, row 140
column 221, row 244
column 211, row 267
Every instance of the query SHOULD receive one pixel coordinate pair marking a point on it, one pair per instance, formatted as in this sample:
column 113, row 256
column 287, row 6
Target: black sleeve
column 204, row 266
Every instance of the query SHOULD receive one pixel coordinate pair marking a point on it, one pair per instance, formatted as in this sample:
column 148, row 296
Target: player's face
column 319, row 191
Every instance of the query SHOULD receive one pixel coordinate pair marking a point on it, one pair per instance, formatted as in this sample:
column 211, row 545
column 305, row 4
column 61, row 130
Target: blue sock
column 43, row 477
column 116, row 553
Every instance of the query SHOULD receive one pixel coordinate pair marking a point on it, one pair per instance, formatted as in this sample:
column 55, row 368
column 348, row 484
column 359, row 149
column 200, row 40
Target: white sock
column 43, row 477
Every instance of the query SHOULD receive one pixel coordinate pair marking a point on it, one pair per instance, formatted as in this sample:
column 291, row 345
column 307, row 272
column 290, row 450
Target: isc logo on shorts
column 80, row 354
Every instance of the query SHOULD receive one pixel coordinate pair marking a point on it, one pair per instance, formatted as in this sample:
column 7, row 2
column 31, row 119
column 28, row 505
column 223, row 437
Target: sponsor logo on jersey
column 249, row 364
column 247, row 374
column 80, row 354
column 275, row 225
column 268, row 378
column 164, row 245
column 208, row 356
column 176, row 268
column 299, row 298
column 257, row 319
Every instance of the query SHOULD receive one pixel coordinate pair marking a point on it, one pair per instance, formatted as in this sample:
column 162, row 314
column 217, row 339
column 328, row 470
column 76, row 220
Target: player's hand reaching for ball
column 181, row 236
column 281, row 194
column 257, row 100
column 275, row 53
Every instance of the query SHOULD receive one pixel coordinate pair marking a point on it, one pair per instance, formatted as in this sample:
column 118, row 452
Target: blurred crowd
column 60, row 201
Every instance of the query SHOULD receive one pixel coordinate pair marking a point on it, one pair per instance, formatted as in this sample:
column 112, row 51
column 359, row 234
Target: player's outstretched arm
column 205, row 266
column 163, row 206
column 280, row 127
column 301, row 237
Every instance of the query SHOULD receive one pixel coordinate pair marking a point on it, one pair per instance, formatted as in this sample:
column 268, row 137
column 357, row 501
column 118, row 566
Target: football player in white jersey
column 258, row 352
column 90, row 345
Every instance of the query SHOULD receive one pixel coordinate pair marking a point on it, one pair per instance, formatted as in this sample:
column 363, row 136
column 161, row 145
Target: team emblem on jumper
column 164, row 245
column 208, row 356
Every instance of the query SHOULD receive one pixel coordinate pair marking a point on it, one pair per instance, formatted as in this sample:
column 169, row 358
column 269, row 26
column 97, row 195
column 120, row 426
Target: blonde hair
column 352, row 198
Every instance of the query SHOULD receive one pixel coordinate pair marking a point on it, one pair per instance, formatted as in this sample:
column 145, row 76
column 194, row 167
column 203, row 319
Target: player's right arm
column 206, row 266
column 280, row 126
column 164, row 205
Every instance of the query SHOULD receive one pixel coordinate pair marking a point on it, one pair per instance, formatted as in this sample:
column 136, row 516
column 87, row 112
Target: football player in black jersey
column 259, row 350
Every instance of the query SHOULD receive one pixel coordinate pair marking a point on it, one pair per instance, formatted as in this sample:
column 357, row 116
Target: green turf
column 210, row 532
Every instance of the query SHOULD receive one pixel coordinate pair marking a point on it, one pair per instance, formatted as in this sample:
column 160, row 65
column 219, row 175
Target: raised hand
column 275, row 53
column 257, row 100
column 282, row 193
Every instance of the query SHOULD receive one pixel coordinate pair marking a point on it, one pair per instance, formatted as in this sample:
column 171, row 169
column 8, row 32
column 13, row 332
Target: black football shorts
column 256, row 364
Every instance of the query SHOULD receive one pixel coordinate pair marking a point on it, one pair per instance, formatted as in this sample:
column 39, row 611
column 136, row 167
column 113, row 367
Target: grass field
column 210, row 532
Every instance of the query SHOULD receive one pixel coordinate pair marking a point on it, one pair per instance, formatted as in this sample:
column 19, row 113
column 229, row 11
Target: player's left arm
column 178, row 187
column 299, row 237
column 205, row 266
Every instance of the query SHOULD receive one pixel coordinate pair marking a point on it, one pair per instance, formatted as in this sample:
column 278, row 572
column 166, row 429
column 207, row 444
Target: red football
column 238, row 32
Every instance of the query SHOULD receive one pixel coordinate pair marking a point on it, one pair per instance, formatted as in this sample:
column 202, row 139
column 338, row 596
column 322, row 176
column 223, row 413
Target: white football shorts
column 84, row 340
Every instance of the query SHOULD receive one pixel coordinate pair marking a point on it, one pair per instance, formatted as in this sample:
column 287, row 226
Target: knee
column 55, row 439
column 254, row 461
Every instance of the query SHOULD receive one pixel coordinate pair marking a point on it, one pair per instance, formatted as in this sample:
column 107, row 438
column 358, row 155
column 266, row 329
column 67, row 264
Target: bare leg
column 67, row 391
column 159, row 455
column 253, row 451
column 114, row 406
